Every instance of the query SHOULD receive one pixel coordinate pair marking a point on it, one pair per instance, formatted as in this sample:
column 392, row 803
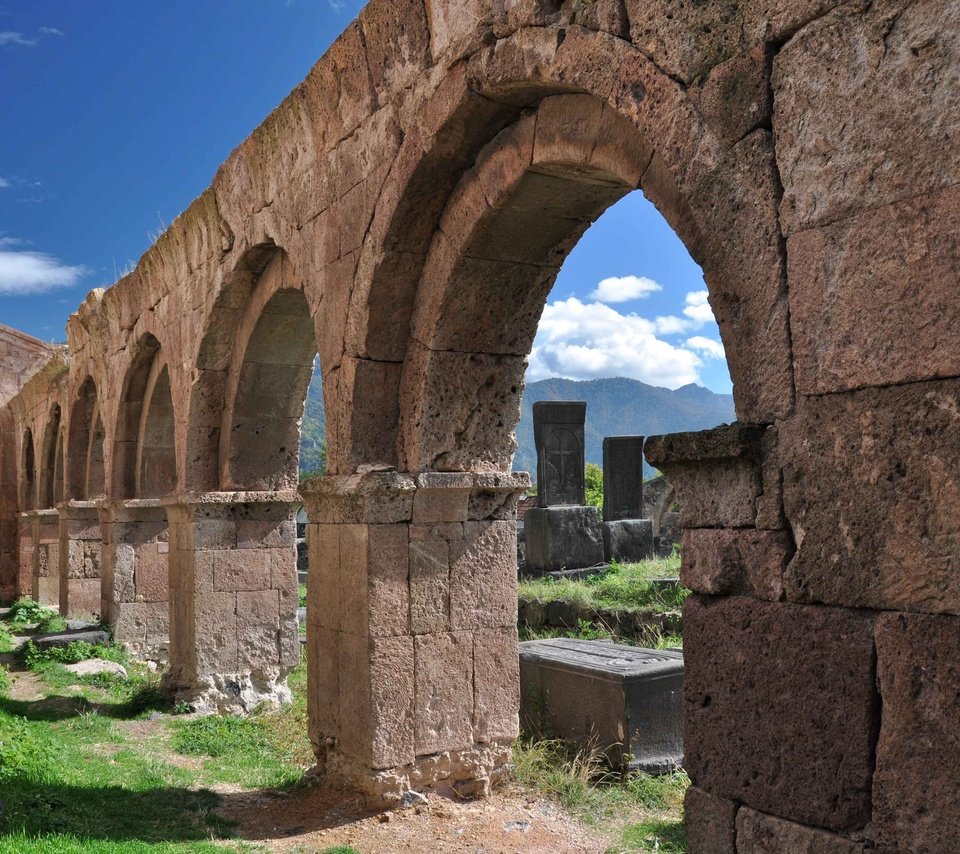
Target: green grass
column 623, row 587
column 73, row 779
column 6, row 641
column 641, row 811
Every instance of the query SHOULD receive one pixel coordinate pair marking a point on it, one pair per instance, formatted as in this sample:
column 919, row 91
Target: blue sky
column 118, row 113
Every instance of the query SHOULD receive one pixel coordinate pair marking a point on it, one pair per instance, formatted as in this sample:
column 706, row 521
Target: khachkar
column 562, row 533
column 626, row 537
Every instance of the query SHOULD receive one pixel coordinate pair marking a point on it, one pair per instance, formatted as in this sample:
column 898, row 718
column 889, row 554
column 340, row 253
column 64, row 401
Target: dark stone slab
column 622, row 478
column 558, row 435
column 626, row 700
column 64, row 638
column 916, row 788
column 781, row 708
column 628, row 540
column 303, row 556
column 302, row 616
column 81, row 626
column 301, row 577
column 562, row 538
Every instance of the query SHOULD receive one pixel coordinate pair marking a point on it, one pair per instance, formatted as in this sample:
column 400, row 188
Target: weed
column 666, row 837
column 302, row 593
column 6, row 641
column 25, row 611
column 4, row 680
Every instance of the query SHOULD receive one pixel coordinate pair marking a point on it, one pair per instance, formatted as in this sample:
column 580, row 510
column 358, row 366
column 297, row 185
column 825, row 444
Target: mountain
column 621, row 407
column 615, row 407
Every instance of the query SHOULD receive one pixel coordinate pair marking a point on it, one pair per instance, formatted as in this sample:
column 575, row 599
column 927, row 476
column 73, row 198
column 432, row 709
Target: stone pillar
column 411, row 623
column 26, row 544
column 759, row 669
column 233, row 599
column 46, row 558
column 134, row 590
column 79, row 553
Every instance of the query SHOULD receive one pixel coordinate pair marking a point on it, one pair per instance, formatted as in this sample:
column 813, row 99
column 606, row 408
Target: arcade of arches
column 403, row 213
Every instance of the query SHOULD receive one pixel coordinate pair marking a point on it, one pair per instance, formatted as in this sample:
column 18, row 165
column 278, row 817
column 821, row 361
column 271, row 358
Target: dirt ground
column 510, row 822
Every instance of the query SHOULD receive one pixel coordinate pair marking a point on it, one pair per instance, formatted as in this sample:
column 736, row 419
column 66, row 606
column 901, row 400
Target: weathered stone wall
column 421, row 188
column 19, row 355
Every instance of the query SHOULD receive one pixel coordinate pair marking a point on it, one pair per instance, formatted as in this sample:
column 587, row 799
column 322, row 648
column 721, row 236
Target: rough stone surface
column 766, row 834
column 781, row 710
column 724, row 561
column 870, row 296
column 855, row 154
column 627, row 540
column 881, row 529
column 94, row 666
column 710, row 823
column 916, row 793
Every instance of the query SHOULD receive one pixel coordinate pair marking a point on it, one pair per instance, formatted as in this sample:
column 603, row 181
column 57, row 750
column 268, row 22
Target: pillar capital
column 387, row 497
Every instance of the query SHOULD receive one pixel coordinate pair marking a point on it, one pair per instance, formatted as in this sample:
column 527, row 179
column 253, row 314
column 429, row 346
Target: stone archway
column 807, row 156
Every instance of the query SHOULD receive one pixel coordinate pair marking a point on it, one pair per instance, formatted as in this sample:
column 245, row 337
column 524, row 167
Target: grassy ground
column 105, row 765
column 642, row 813
column 623, row 587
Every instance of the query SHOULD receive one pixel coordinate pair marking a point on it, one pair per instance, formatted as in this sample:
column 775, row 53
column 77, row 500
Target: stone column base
column 234, row 635
column 134, row 587
column 563, row 538
column 26, row 543
column 470, row 773
column 46, row 558
column 411, row 627
column 80, row 551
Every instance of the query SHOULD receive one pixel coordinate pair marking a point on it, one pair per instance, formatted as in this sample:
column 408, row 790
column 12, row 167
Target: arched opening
column 269, row 378
column 28, row 478
column 144, row 463
column 51, row 465
column 85, row 474
column 156, row 448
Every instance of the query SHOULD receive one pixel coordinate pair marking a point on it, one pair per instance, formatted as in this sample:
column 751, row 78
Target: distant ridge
column 621, row 407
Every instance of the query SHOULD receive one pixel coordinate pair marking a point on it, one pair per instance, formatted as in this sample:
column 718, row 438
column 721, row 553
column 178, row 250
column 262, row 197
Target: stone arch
column 254, row 366
column 720, row 199
column 51, row 461
column 144, row 455
column 28, row 473
column 85, row 445
column 208, row 392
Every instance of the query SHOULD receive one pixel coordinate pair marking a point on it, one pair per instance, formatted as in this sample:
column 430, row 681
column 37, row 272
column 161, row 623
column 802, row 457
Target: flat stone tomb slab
column 627, row 701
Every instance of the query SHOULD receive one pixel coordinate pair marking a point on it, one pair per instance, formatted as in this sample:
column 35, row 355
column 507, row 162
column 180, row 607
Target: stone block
column 627, row 540
column 838, row 153
column 242, row 569
column 710, row 823
column 716, row 473
column 735, row 97
column 496, row 685
column 722, row 561
column 323, row 581
column 444, row 692
column 431, row 506
column 323, row 689
column 882, row 528
column 151, row 576
column 766, row 834
column 374, row 579
column 781, row 709
column 871, row 301
column 626, row 701
column 61, row 639
column 429, row 587
column 483, row 576
column 563, row 538
column 558, row 434
column 215, row 617
column 916, row 791
column 258, row 629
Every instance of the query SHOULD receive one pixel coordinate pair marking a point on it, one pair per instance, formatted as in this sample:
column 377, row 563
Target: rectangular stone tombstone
column 558, row 435
column 622, row 478
column 627, row 701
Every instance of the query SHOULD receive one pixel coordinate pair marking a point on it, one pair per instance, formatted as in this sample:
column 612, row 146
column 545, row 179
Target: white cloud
column 7, row 37
column 624, row 289
column 581, row 341
column 50, row 31
column 707, row 346
column 4, row 182
column 697, row 314
column 33, row 272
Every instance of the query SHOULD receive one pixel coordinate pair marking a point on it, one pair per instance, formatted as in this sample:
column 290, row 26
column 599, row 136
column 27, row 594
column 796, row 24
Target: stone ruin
column 405, row 212
column 562, row 533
